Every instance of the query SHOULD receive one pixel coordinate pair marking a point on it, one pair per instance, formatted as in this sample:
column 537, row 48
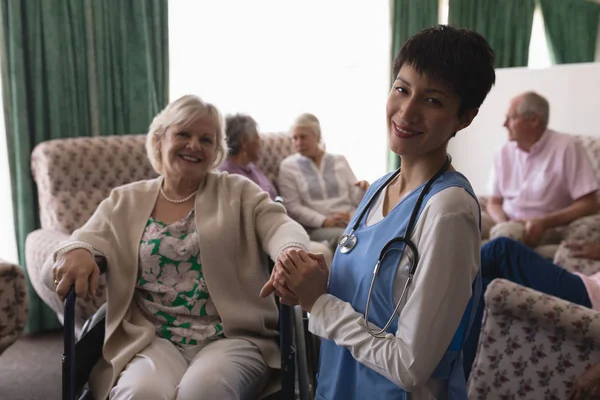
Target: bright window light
column 277, row 59
column 539, row 54
column 8, row 242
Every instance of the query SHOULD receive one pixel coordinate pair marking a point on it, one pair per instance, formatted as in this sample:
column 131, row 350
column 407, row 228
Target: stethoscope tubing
column 350, row 240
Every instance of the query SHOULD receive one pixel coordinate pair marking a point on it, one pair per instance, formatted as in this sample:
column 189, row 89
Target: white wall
column 574, row 95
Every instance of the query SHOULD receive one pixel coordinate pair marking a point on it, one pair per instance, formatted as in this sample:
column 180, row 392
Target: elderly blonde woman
column 186, row 261
column 319, row 189
column 241, row 131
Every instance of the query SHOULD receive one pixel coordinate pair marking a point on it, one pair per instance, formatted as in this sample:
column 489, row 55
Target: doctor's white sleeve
column 449, row 246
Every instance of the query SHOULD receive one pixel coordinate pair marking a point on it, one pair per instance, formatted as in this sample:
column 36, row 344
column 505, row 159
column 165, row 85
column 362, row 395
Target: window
column 539, row 52
column 8, row 243
column 275, row 60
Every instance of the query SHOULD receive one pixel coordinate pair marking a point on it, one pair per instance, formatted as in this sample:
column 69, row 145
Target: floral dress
column 171, row 289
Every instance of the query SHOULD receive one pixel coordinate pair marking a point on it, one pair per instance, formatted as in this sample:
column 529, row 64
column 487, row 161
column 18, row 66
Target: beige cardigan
column 235, row 220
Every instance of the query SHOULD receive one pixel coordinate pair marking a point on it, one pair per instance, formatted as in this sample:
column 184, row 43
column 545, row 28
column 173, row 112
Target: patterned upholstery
column 74, row 175
column 13, row 303
column 587, row 228
column 532, row 345
column 592, row 146
column 274, row 148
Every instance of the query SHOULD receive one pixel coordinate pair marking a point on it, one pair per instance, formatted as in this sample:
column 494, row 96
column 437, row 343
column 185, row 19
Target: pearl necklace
column 176, row 201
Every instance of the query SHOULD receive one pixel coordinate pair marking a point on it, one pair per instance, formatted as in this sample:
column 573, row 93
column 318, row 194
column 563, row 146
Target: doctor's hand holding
column 300, row 277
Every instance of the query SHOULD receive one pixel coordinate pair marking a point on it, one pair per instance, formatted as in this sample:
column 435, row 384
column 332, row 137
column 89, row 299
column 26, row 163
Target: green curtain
column 132, row 74
column 45, row 95
column 50, row 90
column 506, row 24
column 571, row 29
column 409, row 17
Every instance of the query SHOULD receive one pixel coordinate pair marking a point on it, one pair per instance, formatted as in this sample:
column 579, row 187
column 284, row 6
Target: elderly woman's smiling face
column 188, row 152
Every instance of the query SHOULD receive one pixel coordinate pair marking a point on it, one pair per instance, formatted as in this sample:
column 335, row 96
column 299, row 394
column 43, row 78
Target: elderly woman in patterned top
column 187, row 257
column 319, row 189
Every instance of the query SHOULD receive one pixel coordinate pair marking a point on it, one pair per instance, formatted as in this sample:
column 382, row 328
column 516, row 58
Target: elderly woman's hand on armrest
column 76, row 267
column 580, row 249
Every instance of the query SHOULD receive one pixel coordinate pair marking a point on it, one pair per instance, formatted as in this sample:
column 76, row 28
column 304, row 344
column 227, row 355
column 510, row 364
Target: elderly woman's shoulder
column 291, row 159
column 137, row 186
column 224, row 178
column 235, row 186
column 338, row 157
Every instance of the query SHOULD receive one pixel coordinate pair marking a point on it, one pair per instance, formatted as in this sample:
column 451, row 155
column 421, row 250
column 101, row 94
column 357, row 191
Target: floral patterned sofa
column 532, row 345
column 74, row 175
column 13, row 303
column 587, row 228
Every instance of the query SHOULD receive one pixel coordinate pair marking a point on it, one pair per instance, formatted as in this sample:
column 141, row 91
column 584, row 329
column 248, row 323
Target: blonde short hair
column 183, row 111
column 309, row 121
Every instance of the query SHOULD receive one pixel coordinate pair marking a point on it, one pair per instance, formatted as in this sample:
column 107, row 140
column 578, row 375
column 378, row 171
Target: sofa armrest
column 38, row 248
column 548, row 312
column 13, row 303
column 532, row 345
column 583, row 229
column 39, row 245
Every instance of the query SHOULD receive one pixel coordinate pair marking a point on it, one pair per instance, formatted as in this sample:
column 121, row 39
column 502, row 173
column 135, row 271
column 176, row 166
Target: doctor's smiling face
column 442, row 75
column 423, row 114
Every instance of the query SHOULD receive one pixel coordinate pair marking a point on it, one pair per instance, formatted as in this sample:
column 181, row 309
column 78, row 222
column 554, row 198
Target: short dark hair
column 459, row 58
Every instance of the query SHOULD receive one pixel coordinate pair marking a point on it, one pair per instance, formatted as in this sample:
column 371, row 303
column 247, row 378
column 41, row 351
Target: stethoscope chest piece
column 347, row 243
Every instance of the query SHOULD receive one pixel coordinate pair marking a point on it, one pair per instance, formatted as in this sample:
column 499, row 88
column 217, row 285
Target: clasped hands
column 298, row 277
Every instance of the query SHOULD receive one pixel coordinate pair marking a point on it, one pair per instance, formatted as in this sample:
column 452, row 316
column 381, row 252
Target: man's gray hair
column 533, row 103
column 237, row 127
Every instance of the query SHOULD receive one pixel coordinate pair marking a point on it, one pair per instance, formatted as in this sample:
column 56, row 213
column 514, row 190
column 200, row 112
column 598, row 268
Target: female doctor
column 418, row 228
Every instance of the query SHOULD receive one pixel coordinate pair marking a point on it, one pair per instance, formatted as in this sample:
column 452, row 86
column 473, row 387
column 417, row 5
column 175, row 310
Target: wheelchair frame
column 80, row 357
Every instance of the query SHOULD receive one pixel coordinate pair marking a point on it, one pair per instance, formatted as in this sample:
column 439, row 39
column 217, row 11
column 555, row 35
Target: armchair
column 532, row 345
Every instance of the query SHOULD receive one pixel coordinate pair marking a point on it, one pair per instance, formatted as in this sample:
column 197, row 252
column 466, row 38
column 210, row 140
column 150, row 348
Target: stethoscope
column 348, row 241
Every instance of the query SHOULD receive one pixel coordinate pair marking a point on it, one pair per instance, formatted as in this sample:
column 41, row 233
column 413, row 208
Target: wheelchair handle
column 68, row 357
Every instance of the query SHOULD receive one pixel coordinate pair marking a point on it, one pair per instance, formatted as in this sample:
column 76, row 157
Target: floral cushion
column 274, row 148
column 13, row 303
column 532, row 345
column 74, row 175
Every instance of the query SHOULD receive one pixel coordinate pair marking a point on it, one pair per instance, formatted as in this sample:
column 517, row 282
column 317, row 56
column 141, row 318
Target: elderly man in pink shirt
column 541, row 180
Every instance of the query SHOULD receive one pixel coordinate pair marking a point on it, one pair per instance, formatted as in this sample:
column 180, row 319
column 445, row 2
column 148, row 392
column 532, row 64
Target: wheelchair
column 80, row 357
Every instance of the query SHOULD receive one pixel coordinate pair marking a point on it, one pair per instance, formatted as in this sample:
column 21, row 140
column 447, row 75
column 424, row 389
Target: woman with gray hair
column 241, row 131
column 184, row 318
column 319, row 189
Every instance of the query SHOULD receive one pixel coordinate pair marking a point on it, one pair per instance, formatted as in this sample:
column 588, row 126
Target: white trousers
column 224, row 369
